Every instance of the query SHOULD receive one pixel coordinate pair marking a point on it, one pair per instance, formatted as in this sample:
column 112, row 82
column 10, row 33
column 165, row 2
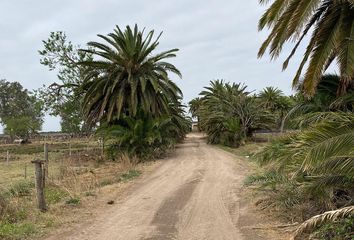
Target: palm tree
column 194, row 107
column 332, row 37
column 314, row 166
column 229, row 114
column 270, row 97
column 125, row 77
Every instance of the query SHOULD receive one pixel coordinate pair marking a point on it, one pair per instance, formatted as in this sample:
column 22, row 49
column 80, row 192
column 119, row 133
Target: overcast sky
column 217, row 39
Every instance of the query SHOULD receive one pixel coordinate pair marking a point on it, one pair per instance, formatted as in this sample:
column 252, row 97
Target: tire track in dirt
column 194, row 195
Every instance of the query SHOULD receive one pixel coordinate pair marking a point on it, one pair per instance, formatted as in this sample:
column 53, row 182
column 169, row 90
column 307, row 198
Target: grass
column 124, row 177
column 54, row 194
column 131, row 174
column 73, row 201
column 16, row 231
column 343, row 229
column 72, row 180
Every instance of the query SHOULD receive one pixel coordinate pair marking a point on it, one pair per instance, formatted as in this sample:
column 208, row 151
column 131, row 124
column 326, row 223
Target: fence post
column 7, row 157
column 46, row 159
column 70, row 148
column 40, row 179
column 25, row 170
column 102, row 148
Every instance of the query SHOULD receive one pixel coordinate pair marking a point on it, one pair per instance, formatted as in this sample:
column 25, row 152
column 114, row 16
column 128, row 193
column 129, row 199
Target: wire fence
column 15, row 160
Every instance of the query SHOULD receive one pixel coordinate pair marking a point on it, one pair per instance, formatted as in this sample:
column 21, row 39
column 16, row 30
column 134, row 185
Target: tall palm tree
column 126, row 76
column 332, row 37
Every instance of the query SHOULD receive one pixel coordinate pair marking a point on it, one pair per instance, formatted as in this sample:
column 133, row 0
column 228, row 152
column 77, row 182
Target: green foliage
column 342, row 229
column 144, row 137
column 54, row 194
column 324, row 100
column 20, row 111
column 131, row 174
column 195, row 107
column 64, row 99
column 331, row 39
column 21, row 188
column 126, row 77
column 129, row 92
column 16, row 231
column 315, row 166
column 73, row 201
column 277, row 103
column 229, row 114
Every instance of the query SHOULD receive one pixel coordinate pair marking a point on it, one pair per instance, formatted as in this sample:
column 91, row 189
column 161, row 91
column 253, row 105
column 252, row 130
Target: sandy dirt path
column 193, row 195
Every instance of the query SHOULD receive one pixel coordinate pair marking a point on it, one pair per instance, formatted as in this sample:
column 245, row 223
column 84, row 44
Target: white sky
column 217, row 39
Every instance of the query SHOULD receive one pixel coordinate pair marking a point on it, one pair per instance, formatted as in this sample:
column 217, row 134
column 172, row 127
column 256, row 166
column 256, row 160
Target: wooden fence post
column 102, row 148
column 40, row 179
column 46, row 159
column 7, row 157
column 25, row 170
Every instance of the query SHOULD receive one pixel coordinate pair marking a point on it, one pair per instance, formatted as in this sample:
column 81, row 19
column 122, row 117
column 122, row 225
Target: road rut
column 193, row 195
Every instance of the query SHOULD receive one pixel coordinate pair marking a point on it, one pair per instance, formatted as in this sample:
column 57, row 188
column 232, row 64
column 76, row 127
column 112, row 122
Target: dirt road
column 193, row 195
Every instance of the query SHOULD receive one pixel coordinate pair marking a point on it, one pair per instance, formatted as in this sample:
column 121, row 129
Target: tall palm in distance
column 332, row 37
column 126, row 76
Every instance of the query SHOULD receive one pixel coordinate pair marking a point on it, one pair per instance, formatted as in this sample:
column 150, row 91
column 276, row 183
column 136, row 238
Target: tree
column 64, row 99
column 194, row 107
column 20, row 111
column 125, row 77
column 230, row 114
column 276, row 102
column 332, row 37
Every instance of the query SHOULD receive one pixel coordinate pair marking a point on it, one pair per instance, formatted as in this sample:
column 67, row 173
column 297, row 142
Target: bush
column 21, row 188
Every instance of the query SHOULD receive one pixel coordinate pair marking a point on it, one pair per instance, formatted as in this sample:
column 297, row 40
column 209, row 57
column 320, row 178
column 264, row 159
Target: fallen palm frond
column 317, row 220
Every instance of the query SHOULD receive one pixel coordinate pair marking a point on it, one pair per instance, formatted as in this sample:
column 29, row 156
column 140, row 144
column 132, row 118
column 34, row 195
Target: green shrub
column 21, row 188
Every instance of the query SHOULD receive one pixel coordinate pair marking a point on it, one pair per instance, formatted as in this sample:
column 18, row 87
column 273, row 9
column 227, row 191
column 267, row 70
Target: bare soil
column 195, row 194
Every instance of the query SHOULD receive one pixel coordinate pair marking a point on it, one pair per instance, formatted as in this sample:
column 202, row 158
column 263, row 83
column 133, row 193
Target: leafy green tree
column 20, row 111
column 331, row 40
column 64, row 99
column 126, row 76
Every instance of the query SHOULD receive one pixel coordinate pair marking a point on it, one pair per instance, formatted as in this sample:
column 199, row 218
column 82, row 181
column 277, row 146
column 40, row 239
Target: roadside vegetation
column 128, row 92
column 119, row 92
column 307, row 171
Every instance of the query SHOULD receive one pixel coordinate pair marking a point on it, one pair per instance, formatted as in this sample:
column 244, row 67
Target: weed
column 21, row 188
column 73, row 201
column 90, row 194
column 54, row 194
column 106, row 182
column 16, row 231
column 131, row 174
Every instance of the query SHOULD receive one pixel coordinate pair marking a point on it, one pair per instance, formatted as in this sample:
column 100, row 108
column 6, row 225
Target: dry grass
column 73, row 180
